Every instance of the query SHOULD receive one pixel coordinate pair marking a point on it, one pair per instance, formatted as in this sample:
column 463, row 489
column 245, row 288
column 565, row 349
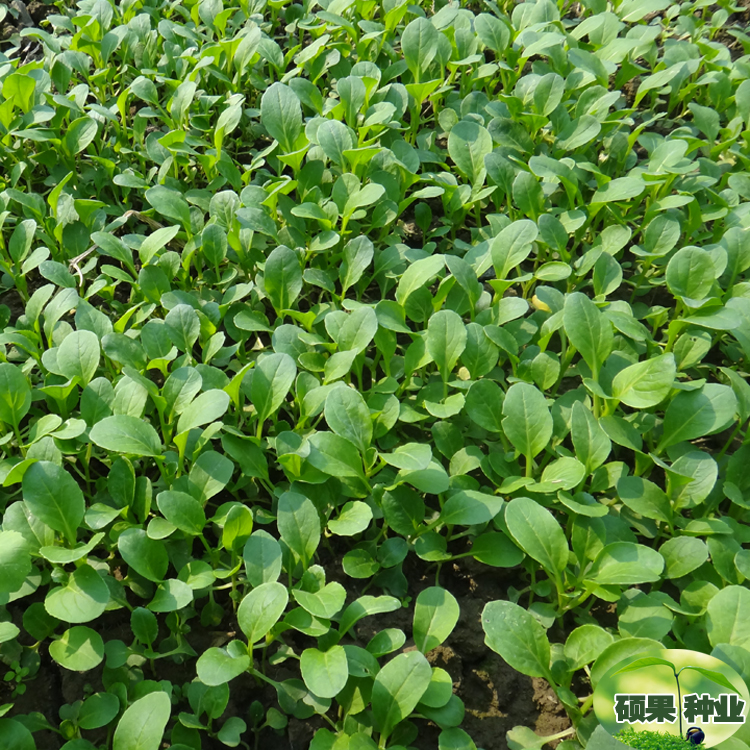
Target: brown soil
column 731, row 43
column 36, row 12
column 496, row 697
column 13, row 300
column 630, row 88
column 39, row 11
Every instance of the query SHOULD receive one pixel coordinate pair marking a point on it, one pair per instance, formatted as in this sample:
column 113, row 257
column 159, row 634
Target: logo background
column 660, row 679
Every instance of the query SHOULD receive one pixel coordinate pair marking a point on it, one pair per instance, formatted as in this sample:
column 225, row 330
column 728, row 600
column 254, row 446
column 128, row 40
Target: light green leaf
column 683, row 555
column 409, row 457
column 15, row 394
column 171, row 595
column 353, row 519
column 146, row 556
column 169, row 203
column 126, row 434
column 348, row 416
column 693, row 414
column 98, row 710
column 492, row 32
column 728, row 617
column 588, row 330
column 484, row 404
column 468, row 144
column 690, row 273
column 299, row 525
column 335, row 138
column 325, row 672
column 646, row 383
column 208, row 407
column 79, row 135
column 589, row 440
column 369, row 194
column 417, row 275
column 54, row 497
column 334, row 455
column 281, row 115
column 419, row 45
column 436, row 613
column 398, row 688
column 216, row 666
column 272, row 378
column 619, row 189
column 645, row 498
column 527, row 421
column 585, row 643
column 519, row 638
column 282, row 278
column 15, row 561
column 82, row 599
column 538, row 534
column 624, row 564
column 512, row 246
column 262, row 556
column 470, row 507
column 78, row 649
column 364, row 607
column 446, row 340
column 78, row 356
column 183, row 326
column 142, row 725
column 183, row 511
column 261, row 609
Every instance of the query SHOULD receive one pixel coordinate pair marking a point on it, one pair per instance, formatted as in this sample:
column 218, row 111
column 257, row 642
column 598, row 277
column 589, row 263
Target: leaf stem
column 19, row 440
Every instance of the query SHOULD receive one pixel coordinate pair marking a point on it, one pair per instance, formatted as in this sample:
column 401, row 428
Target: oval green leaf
column 261, row 609
column 143, row 723
column 325, row 672
column 126, row 434
column 54, row 497
column 79, row 649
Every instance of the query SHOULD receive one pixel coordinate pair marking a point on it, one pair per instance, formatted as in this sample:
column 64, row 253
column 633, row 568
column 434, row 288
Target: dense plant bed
column 652, row 740
column 371, row 375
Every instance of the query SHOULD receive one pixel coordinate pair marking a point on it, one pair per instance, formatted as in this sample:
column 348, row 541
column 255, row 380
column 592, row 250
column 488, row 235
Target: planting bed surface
column 371, row 374
column 497, row 697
